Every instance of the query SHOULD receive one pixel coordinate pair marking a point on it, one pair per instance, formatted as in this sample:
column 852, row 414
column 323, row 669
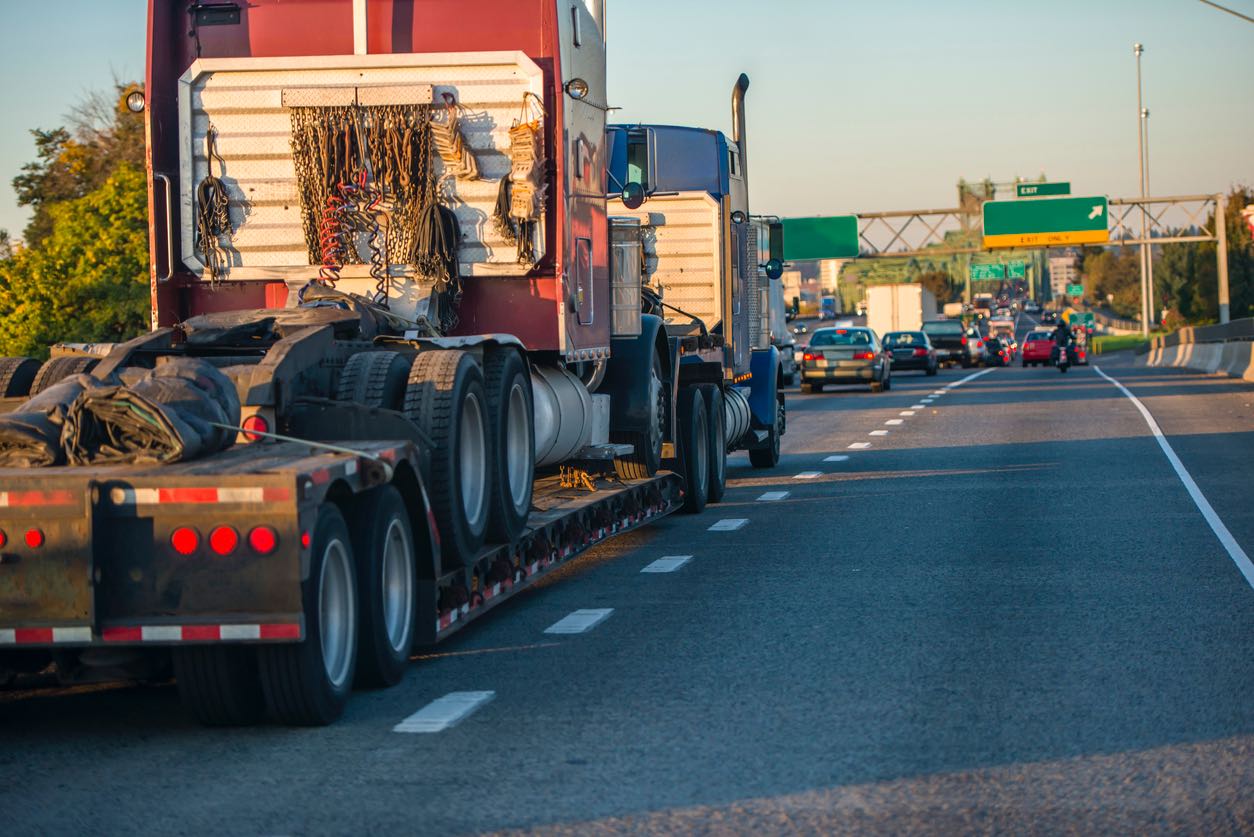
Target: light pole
column 1137, row 49
column 1149, row 249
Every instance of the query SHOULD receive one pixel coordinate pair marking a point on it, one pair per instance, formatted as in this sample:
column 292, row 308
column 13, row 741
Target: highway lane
column 1003, row 612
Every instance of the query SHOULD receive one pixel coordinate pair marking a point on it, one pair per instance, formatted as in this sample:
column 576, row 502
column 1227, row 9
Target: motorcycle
column 1063, row 361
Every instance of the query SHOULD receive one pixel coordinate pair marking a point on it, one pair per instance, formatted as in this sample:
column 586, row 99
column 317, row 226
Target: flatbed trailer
column 123, row 568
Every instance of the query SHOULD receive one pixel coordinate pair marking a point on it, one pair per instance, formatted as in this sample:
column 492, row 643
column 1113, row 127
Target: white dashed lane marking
column 859, row 446
column 580, row 621
column 840, row 457
column 442, row 713
column 808, row 475
column 667, row 564
column 878, row 433
column 906, row 413
column 772, row 496
column 730, row 524
column 894, row 422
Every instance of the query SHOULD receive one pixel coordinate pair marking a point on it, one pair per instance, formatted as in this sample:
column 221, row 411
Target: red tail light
column 4, row 539
column 223, row 540
column 920, row 352
column 263, row 540
column 864, row 356
column 981, row 343
column 808, row 356
column 964, row 341
column 185, row 540
column 34, row 538
column 256, row 424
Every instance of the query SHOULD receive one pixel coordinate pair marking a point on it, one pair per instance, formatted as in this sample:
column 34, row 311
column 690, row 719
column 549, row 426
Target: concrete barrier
column 1223, row 349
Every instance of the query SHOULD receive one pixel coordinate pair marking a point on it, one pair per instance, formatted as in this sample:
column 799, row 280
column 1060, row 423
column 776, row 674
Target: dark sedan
column 912, row 350
column 999, row 353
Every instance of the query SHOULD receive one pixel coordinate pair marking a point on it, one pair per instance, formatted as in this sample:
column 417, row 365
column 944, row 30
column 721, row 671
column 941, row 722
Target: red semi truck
column 387, row 223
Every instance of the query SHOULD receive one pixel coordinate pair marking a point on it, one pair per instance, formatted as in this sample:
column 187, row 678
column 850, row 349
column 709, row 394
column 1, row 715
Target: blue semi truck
column 682, row 193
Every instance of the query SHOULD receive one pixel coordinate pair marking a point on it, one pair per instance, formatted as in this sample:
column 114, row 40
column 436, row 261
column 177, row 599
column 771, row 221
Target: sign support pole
column 1221, row 239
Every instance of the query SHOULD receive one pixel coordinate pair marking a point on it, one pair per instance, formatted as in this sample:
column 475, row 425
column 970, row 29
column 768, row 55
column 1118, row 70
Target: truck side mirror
column 774, row 269
column 633, row 196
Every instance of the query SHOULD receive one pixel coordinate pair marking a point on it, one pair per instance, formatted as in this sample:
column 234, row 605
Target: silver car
column 845, row 356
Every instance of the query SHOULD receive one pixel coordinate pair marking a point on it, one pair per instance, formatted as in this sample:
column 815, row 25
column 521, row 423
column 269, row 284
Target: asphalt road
column 1004, row 613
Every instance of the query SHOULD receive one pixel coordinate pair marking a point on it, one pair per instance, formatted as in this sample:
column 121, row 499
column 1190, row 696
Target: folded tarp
column 168, row 415
column 30, row 436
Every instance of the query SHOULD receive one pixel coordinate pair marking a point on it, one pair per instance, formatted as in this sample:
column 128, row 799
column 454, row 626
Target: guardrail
column 1115, row 322
column 1222, row 333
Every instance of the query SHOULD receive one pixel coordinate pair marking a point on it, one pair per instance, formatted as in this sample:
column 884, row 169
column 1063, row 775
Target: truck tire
column 60, row 368
column 445, row 398
column 511, row 416
column 387, row 586
column 16, row 376
column 718, row 441
column 694, row 449
column 646, row 457
column 374, row 379
column 768, row 456
column 308, row 683
column 220, row 684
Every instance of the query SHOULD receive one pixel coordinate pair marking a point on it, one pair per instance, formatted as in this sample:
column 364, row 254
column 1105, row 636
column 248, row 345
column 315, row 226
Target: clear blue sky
column 869, row 105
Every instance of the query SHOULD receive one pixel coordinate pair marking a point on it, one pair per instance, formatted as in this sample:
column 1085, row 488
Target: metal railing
column 1221, row 333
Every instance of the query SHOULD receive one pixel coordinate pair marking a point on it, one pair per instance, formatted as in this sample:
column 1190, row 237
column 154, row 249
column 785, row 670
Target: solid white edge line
column 1235, row 552
column 442, row 713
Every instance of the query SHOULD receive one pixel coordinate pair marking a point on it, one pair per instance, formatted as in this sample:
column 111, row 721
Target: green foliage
column 1114, row 273
column 1186, row 276
column 81, row 274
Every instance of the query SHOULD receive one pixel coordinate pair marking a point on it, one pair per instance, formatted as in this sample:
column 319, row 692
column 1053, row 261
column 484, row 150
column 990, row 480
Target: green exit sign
column 1045, row 223
column 1040, row 190
column 1017, row 270
column 1075, row 290
column 834, row 237
column 984, row 272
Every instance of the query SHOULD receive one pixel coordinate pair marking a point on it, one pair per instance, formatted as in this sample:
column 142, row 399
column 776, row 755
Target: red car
column 1038, row 347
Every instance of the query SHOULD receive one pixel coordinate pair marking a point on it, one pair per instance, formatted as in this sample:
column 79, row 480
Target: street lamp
column 1142, row 116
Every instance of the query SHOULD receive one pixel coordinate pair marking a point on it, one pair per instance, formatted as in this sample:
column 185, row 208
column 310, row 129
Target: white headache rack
column 248, row 102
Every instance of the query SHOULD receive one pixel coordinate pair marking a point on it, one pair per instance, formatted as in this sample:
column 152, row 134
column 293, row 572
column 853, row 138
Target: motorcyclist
column 1062, row 339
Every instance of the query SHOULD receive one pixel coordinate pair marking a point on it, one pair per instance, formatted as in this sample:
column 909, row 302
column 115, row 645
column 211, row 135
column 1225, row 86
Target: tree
column 941, row 284
column 87, row 281
column 1186, row 275
column 1114, row 279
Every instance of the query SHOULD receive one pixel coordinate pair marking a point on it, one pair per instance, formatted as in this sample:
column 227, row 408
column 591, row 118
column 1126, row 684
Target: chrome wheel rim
column 655, row 399
column 473, row 461
column 519, row 458
column 337, row 617
column 398, row 587
column 701, row 453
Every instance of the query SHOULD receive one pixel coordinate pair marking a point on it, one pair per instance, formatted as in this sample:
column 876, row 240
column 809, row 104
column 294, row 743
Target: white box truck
column 899, row 307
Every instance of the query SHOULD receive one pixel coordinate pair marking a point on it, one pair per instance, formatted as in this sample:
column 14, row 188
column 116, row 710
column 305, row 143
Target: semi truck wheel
column 220, row 684
column 374, row 379
column 16, row 376
column 308, row 683
column 768, row 456
column 445, row 398
column 387, row 586
column 694, row 449
column 60, row 368
column 644, row 461
column 718, row 440
column 512, row 418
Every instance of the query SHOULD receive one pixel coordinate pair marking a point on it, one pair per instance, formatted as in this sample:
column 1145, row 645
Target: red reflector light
column 256, row 424
column 34, row 538
column 223, row 540
column 4, row 539
column 305, row 540
column 263, row 540
column 920, row 352
column 864, row 355
column 964, row 341
column 981, row 343
column 185, row 540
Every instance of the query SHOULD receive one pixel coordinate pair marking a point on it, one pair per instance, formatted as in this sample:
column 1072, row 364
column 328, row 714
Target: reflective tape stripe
column 193, row 495
column 202, row 633
column 13, row 499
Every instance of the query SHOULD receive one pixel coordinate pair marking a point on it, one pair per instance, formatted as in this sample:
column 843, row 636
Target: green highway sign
column 987, row 271
column 1041, row 190
column 835, row 237
column 1045, row 223
column 1075, row 290
column 1016, row 270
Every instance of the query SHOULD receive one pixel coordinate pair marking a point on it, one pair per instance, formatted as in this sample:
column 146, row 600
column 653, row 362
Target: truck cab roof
column 684, row 159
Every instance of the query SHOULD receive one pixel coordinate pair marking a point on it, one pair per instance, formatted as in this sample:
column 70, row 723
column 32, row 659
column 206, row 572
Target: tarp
column 168, row 415
column 30, row 436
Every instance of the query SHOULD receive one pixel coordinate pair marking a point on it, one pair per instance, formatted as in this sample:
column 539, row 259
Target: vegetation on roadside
column 80, row 273
column 1107, row 343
